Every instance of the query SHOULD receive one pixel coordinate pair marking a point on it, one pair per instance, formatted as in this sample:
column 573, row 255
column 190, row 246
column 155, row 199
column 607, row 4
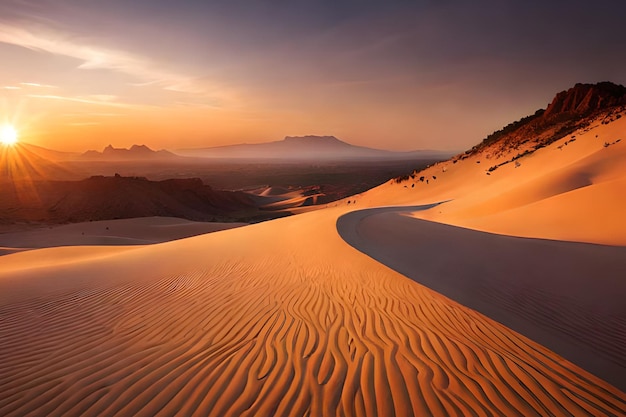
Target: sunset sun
column 8, row 135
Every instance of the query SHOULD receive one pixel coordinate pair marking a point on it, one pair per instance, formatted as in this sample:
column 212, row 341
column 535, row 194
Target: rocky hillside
column 569, row 111
column 584, row 100
column 106, row 198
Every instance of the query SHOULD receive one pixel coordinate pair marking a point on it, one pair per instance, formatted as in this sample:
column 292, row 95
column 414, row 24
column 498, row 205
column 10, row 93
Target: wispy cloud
column 37, row 85
column 100, row 100
column 27, row 85
column 96, row 57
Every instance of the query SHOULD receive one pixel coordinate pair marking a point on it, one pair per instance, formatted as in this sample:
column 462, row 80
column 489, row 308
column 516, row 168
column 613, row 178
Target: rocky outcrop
column 586, row 99
column 117, row 197
column 569, row 111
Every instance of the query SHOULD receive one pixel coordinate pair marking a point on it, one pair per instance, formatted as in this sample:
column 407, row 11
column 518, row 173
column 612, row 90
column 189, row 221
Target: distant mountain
column 29, row 162
column 136, row 152
column 49, row 154
column 569, row 111
column 306, row 148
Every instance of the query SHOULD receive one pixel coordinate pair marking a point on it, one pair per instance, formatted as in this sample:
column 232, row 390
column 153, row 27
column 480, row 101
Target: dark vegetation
column 607, row 144
column 413, row 175
column 508, row 129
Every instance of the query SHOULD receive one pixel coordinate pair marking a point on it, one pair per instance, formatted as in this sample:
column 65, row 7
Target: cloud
column 22, row 86
column 37, row 85
column 100, row 100
column 95, row 57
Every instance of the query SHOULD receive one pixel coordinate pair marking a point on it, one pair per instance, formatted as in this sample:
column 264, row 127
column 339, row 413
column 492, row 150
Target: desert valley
column 397, row 300
column 296, row 208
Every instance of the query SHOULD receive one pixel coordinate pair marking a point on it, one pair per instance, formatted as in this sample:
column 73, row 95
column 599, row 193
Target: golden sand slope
column 567, row 296
column 137, row 231
column 569, row 192
column 279, row 318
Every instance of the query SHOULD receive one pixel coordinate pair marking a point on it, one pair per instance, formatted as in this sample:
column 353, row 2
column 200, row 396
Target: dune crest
column 571, row 189
column 237, row 323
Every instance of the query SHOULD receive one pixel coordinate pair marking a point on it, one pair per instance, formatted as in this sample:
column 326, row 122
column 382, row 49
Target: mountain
column 570, row 110
column 106, row 198
column 306, row 148
column 23, row 161
column 49, row 154
column 135, row 152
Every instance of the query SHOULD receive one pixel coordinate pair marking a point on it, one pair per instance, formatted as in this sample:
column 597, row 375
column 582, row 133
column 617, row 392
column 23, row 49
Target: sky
column 398, row 75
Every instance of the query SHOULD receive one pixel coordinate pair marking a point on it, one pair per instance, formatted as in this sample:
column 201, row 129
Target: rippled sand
column 279, row 318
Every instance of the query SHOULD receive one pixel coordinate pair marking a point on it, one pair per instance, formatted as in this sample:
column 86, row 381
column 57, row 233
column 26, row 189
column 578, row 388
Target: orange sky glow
column 82, row 75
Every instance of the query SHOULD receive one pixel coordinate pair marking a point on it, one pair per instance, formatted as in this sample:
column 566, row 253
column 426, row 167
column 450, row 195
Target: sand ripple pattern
column 274, row 335
column 564, row 295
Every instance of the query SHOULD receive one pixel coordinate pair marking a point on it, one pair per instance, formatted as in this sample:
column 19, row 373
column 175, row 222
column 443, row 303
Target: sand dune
column 567, row 296
column 6, row 251
column 284, row 199
column 138, row 231
column 278, row 318
column 285, row 318
column 568, row 192
column 275, row 191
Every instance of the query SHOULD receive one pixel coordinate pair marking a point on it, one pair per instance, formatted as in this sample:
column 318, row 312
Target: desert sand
column 286, row 318
column 138, row 231
column 280, row 198
column 568, row 296
column 572, row 192
column 278, row 318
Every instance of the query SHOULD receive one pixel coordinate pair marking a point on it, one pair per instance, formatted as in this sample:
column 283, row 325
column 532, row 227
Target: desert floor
column 278, row 318
column 140, row 231
column 287, row 318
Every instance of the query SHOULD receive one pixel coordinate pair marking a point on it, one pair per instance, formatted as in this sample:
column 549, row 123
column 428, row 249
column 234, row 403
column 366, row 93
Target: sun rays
column 23, row 172
column 8, row 135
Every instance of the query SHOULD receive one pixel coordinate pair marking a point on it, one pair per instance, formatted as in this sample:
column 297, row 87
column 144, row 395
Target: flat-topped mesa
column 314, row 139
column 569, row 111
column 309, row 148
column 310, row 143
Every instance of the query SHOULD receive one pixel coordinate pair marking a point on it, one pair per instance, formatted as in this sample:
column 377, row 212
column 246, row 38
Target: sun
column 8, row 135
